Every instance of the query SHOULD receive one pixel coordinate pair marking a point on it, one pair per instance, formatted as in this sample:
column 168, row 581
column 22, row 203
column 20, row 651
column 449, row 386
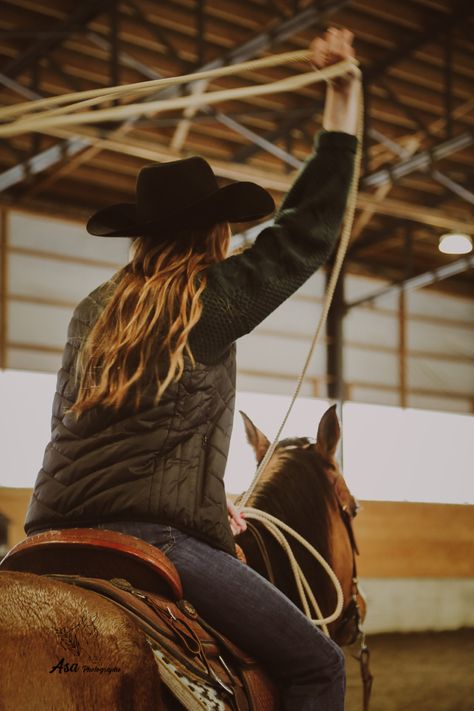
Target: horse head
column 303, row 486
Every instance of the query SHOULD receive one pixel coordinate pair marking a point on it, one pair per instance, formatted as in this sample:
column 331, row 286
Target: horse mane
column 299, row 492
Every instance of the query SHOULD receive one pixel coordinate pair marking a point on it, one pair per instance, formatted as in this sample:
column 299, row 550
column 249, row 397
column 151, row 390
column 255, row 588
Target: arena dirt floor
column 417, row 672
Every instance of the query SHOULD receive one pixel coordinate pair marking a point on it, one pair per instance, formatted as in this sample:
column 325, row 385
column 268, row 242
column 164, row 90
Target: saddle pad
column 194, row 694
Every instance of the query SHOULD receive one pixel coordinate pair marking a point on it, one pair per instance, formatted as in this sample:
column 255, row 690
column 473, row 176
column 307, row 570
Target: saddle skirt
column 199, row 665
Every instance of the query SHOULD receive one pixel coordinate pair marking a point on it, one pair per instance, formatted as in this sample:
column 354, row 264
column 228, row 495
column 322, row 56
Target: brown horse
column 46, row 624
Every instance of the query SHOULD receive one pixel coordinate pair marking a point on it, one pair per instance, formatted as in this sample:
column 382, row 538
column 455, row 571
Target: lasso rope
column 31, row 118
column 275, row 527
column 144, row 87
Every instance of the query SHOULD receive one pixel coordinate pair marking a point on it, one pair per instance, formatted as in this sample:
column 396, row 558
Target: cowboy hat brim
column 237, row 202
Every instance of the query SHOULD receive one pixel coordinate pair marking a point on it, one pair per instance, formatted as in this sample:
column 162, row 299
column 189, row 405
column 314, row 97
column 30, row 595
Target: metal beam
column 67, row 79
column 440, row 178
column 267, row 145
column 419, row 281
column 373, row 73
column 42, row 161
column 409, row 112
column 274, row 181
column 433, row 28
column 85, row 11
column 19, row 88
column 435, row 24
column 256, row 139
column 241, row 53
column 414, row 141
column 124, row 58
column 259, row 43
column 70, row 147
column 419, row 161
column 269, row 138
column 415, row 213
column 301, row 21
column 454, row 187
column 45, row 159
column 160, row 36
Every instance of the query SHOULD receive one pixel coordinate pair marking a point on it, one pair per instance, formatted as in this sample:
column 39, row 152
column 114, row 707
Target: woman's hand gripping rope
column 342, row 99
column 236, row 519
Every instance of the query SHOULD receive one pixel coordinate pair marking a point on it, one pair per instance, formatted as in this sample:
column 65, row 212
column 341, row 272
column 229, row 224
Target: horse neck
column 299, row 494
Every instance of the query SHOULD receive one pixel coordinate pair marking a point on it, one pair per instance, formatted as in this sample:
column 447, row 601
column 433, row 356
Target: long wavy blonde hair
column 148, row 318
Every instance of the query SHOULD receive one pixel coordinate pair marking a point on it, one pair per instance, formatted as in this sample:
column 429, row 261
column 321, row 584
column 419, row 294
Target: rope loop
column 38, row 115
column 277, row 528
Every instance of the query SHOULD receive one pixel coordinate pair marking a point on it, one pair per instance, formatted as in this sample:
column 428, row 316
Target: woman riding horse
column 144, row 405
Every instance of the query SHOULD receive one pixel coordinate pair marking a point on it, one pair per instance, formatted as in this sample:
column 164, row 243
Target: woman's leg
column 251, row 612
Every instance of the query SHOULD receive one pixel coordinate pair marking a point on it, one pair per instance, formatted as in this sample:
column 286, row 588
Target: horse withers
column 67, row 645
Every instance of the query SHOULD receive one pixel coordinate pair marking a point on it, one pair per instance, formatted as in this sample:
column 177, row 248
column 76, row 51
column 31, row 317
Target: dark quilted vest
column 163, row 463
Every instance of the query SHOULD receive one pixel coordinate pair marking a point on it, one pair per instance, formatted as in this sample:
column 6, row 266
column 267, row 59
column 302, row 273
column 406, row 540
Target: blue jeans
column 255, row 615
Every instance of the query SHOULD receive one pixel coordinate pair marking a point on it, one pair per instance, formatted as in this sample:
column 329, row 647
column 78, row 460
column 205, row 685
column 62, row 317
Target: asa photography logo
column 63, row 666
column 80, row 639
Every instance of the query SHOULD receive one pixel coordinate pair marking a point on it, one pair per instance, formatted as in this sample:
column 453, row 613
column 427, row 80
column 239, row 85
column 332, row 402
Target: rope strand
column 113, row 92
column 65, row 116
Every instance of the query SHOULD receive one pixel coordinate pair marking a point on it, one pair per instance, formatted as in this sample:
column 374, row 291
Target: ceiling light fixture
column 455, row 243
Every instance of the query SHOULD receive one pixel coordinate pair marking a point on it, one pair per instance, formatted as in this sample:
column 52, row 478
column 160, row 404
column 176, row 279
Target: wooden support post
column 335, row 351
column 315, row 387
column 365, row 137
column 114, row 46
column 334, row 347
column 402, row 349
column 200, row 27
column 402, row 321
column 448, row 81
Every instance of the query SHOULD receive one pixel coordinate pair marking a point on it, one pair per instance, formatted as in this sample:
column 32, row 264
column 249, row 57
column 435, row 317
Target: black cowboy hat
column 181, row 194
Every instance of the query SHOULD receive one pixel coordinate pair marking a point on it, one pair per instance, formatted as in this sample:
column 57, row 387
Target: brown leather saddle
column 144, row 582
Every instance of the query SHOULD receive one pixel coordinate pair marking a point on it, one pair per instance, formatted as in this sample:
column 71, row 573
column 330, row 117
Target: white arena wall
column 49, row 265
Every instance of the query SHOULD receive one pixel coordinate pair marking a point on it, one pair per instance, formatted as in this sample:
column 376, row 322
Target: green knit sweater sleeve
column 244, row 289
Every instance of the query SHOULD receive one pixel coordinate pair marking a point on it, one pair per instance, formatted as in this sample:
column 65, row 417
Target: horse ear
column 329, row 433
column 255, row 438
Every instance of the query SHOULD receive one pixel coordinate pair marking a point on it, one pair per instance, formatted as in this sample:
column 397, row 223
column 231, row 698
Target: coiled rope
column 277, row 528
column 32, row 116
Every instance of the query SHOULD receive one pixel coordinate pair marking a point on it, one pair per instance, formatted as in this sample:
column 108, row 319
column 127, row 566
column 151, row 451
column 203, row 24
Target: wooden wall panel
column 13, row 505
column 415, row 540
column 396, row 539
